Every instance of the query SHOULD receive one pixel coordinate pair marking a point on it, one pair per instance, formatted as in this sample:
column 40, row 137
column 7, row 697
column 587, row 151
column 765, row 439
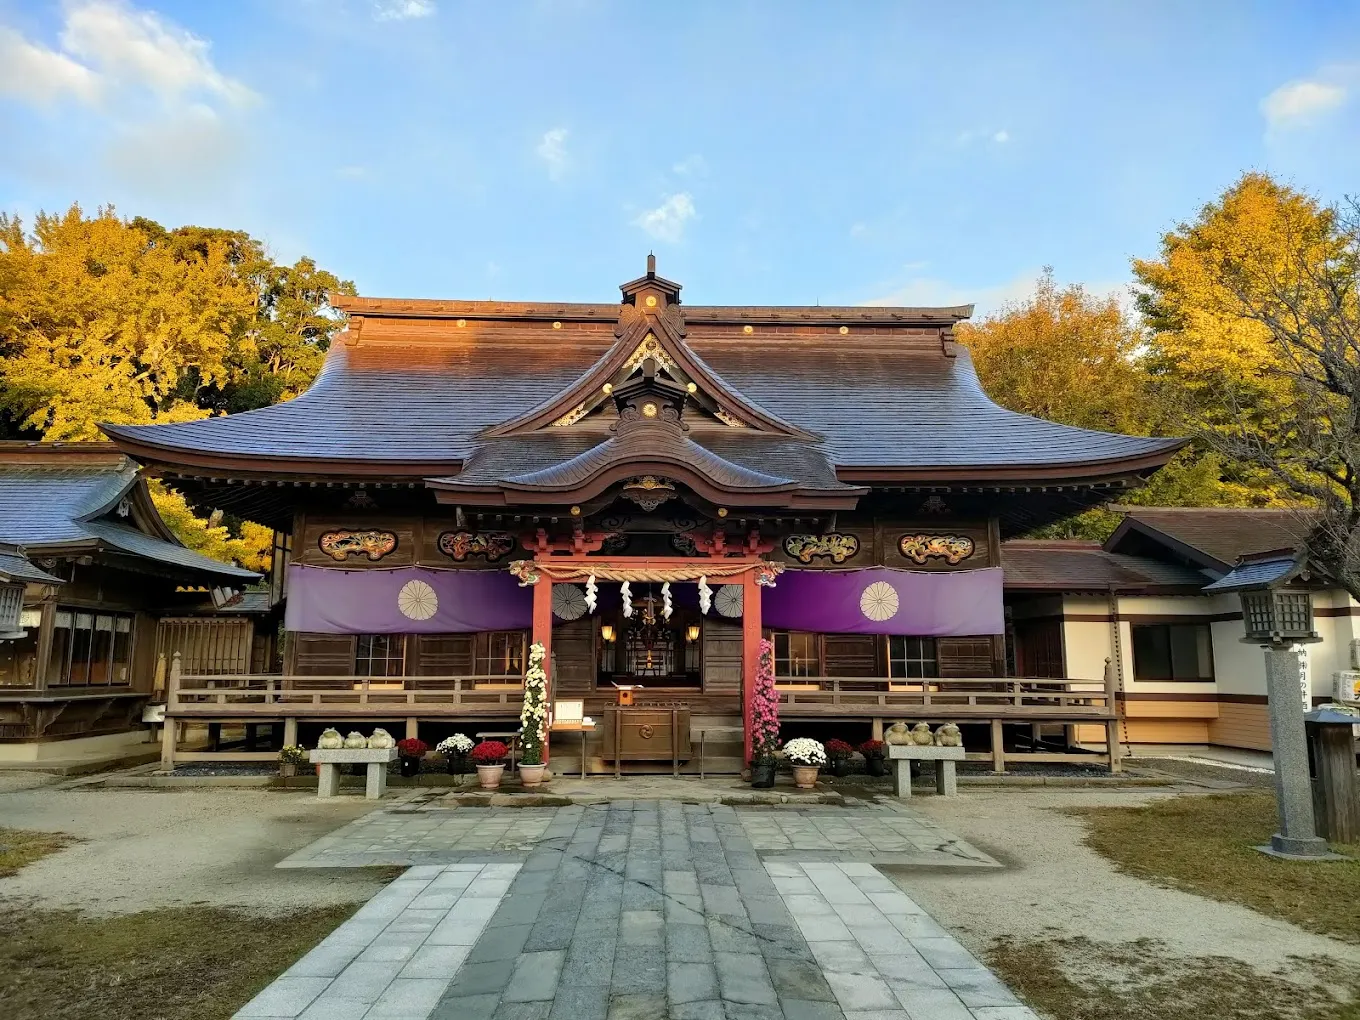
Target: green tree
column 1069, row 356
column 110, row 320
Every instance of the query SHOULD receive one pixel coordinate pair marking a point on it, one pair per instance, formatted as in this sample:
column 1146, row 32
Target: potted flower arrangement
column 289, row 759
column 410, row 751
column 489, row 757
column 764, row 720
column 838, row 753
column 874, row 762
column 455, row 751
column 533, row 719
column 806, row 756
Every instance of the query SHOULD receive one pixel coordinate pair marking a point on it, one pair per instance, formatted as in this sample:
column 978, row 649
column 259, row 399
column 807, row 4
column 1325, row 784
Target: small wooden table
column 330, row 761
column 946, row 780
column 574, row 727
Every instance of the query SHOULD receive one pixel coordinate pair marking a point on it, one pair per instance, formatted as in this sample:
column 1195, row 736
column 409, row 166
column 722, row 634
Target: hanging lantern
column 692, row 632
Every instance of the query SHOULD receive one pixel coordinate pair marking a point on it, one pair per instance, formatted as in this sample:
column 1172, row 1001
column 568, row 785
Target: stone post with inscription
column 1286, row 689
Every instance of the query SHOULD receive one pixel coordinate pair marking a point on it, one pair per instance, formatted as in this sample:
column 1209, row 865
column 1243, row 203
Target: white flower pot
column 805, row 776
column 489, row 776
column 531, row 775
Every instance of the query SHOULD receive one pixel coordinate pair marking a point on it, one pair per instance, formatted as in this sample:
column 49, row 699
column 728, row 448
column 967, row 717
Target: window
column 499, row 653
column 90, row 649
column 795, row 654
column 380, row 655
column 912, row 656
column 1172, row 651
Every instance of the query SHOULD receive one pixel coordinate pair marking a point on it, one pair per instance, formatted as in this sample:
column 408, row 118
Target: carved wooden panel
column 835, row 546
column 344, row 544
column 934, row 545
column 489, row 545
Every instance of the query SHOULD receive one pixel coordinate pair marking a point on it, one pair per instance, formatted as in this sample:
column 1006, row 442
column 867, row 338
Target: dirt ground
column 142, row 849
column 1057, row 892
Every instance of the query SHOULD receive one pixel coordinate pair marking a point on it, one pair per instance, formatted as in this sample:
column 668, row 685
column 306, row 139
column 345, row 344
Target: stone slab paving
column 882, row 833
column 639, row 911
column 396, row 955
column 422, row 836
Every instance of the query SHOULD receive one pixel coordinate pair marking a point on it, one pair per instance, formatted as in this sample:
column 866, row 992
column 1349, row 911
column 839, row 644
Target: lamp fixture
column 607, row 632
column 692, row 632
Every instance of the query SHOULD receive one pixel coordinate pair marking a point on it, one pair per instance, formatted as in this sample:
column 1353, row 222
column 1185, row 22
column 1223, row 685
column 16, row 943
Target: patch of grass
column 1078, row 979
column 20, row 847
column 1204, row 845
column 176, row 963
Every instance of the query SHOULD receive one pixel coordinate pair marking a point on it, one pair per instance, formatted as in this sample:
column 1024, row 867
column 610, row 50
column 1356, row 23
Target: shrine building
column 647, row 488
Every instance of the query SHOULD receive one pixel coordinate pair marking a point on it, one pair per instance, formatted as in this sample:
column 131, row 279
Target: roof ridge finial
column 651, row 264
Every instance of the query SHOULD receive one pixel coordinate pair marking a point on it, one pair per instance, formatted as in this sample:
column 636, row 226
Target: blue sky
column 769, row 152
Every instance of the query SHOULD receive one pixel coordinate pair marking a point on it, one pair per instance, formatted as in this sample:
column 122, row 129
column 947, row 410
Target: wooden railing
column 986, row 697
column 277, row 696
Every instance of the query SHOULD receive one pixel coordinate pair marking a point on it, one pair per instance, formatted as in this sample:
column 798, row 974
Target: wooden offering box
column 646, row 733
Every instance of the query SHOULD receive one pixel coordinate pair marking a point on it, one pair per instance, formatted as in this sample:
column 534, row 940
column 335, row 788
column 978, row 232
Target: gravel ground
column 142, row 849
column 1054, row 887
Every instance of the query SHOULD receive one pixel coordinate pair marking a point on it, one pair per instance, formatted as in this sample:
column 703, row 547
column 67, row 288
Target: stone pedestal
column 376, row 760
column 902, row 755
column 1285, row 689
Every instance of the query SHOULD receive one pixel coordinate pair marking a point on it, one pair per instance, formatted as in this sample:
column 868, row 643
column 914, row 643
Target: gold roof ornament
column 648, row 491
column 649, row 348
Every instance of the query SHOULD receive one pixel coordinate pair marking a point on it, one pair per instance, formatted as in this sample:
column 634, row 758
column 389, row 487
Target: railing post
column 170, row 730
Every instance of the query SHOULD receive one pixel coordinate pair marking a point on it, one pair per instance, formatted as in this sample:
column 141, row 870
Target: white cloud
column 38, row 75
column 109, row 47
column 182, row 155
column 552, row 149
column 1298, row 103
column 667, row 221
column 402, row 10
column 139, row 49
column 971, row 135
column 693, row 165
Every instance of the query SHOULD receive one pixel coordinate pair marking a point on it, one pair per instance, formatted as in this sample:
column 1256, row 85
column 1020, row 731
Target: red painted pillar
column 750, row 653
column 543, row 635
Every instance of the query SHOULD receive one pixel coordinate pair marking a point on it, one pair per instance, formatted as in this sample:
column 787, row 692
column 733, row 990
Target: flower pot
column 840, row 767
column 762, row 775
column 455, row 764
column 489, row 776
column 288, row 769
column 531, row 775
column 876, row 766
column 410, row 767
column 805, row 776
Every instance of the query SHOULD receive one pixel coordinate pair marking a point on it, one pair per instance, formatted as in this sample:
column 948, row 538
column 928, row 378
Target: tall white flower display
column 533, row 717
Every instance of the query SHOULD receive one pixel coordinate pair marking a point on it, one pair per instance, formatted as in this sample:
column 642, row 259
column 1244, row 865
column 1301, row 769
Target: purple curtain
column 880, row 600
column 407, row 600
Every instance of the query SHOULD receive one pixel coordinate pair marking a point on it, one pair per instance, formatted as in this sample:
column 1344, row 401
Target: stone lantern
column 1279, row 618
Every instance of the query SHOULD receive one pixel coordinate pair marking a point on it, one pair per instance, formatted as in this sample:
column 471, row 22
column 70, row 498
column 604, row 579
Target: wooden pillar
column 290, row 737
column 876, row 729
column 542, row 635
column 998, row 747
column 412, row 727
column 1112, row 744
column 750, row 655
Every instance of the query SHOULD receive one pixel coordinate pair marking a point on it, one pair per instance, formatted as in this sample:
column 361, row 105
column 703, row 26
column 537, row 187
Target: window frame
column 387, row 658
column 810, row 651
column 61, row 658
column 929, row 664
column 489, row 646
column 1203, row 628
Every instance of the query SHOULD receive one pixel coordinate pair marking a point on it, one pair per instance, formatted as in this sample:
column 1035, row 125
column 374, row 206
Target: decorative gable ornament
column 805, row 548
column 340, row 545
column 950, row 548
column 648, row 491
column 649, row 348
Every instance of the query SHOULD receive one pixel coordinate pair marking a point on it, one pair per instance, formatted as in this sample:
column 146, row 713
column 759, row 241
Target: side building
column 1136, row 607
column 102, row 590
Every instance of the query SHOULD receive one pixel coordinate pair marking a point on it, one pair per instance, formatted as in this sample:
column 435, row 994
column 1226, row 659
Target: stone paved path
column 639, row 911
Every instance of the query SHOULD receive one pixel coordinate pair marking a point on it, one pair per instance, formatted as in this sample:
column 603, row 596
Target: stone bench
column 946, row 780
column 377, row 760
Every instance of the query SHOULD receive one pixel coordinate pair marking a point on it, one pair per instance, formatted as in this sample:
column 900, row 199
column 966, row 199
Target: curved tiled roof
column 46, row 507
